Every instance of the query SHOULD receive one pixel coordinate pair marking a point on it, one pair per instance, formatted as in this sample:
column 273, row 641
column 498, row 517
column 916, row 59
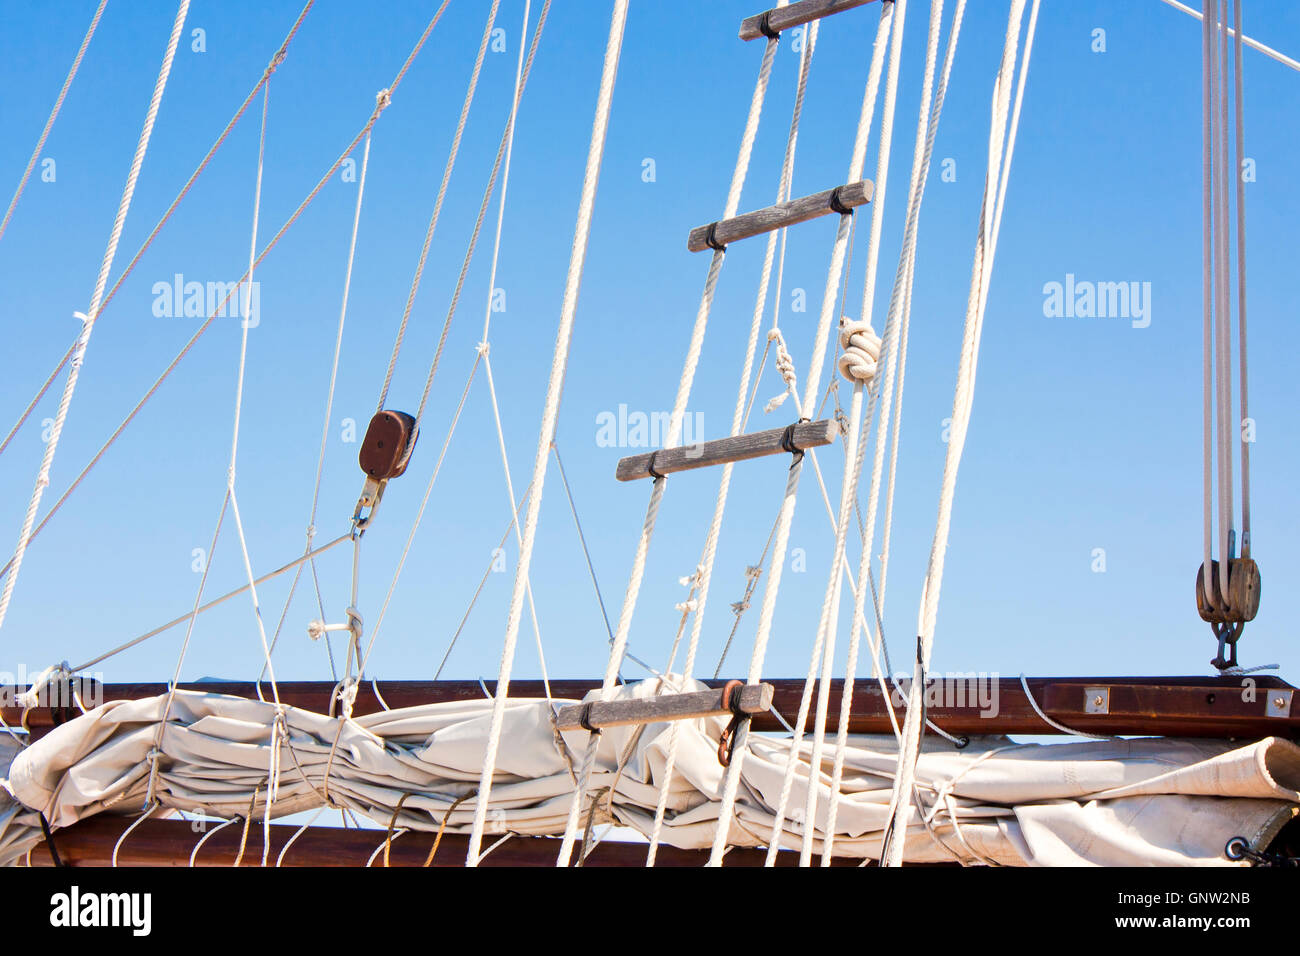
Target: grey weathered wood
column 783, row 214
column 754, row 699
column 720, row 451
column 795, row 14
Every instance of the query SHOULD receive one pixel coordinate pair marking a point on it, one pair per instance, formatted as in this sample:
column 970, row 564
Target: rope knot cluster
column 861, row 351
column 784, row 365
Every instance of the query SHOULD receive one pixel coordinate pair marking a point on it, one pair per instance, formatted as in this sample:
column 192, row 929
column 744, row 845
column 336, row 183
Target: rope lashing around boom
column 861, row 347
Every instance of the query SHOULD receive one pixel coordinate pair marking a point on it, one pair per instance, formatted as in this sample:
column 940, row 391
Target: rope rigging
column 1227, row 589
column 550, row 414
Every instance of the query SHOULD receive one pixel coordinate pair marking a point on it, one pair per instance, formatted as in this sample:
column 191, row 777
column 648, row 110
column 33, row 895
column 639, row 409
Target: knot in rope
column 861, row 351
column 275, row 61
column 382, row 99
column 346, row 693
column 151, row 761
column 687, row 606
column 311, row 533
column 315, row 630
column 482, row 348
column 784, row 365
column 32, row 696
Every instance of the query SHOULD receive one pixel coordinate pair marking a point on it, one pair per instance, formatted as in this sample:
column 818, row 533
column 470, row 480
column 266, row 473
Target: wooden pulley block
column 386, row 449
column 1243, row 593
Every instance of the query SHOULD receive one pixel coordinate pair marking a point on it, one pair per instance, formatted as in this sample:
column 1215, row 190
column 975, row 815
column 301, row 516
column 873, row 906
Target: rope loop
column 861, row 351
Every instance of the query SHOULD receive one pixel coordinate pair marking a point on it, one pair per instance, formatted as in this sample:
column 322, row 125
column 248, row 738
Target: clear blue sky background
column 1086, row 432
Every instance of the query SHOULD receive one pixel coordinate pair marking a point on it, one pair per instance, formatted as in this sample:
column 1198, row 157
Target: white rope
column 442, row 193
column 1024, row 683
column 481, row 351
column 208, row 834
column 88, row 324
column 999, row 164
column 483, row 345
column 785, row 366
column 49, row 123
column 1207, row 300
column 897, row 326
column 811, row 387
column 862, row 351
column 382, row 100
column 550, row 414
column 1223, row 385
column 1241, row 277
column 266, row 250
column 1253, row 44
column 673, row 437
column 228, row 498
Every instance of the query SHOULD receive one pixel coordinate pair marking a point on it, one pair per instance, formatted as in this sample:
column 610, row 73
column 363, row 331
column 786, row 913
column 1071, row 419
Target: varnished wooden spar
column 754, row 699
column 724, row 232
column 1254, row 706
column 720, row 451
column 170, row 842
column 793, row 15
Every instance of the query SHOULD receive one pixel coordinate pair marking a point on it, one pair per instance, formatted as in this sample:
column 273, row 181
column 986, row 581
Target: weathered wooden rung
column 775, row 21
column 754, row 699
column 721, row 451
column 841, row 199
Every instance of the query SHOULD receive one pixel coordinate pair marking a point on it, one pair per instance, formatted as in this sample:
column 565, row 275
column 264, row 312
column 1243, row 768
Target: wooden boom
column 793, row 15
column 1160, row 706
column 754, row 699
column 170, row 842
column 726, row 231
column 720, row 451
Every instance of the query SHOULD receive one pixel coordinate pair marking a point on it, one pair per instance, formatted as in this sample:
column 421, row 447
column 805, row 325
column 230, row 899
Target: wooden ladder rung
column 754, row 699
column 726, row 231
column 720, row 451
column 793, row 15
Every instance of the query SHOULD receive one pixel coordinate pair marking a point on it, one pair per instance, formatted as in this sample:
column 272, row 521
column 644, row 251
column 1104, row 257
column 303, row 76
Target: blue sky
column 1086, row 432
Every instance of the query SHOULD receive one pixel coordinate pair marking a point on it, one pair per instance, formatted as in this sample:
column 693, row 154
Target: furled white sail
column 1108, row 802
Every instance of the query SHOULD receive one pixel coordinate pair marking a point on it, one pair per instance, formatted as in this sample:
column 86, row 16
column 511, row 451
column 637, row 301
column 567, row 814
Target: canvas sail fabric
column 1152, row 801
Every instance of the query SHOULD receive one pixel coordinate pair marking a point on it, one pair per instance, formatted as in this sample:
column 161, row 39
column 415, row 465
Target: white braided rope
column 785, row 366
column 49, row 123
column 897, row 325
column 619, row 647
column 785, row 517
column 858, row 364
column 999, row 164
column 550, row 415
column 88, row 322
column 442, row 194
